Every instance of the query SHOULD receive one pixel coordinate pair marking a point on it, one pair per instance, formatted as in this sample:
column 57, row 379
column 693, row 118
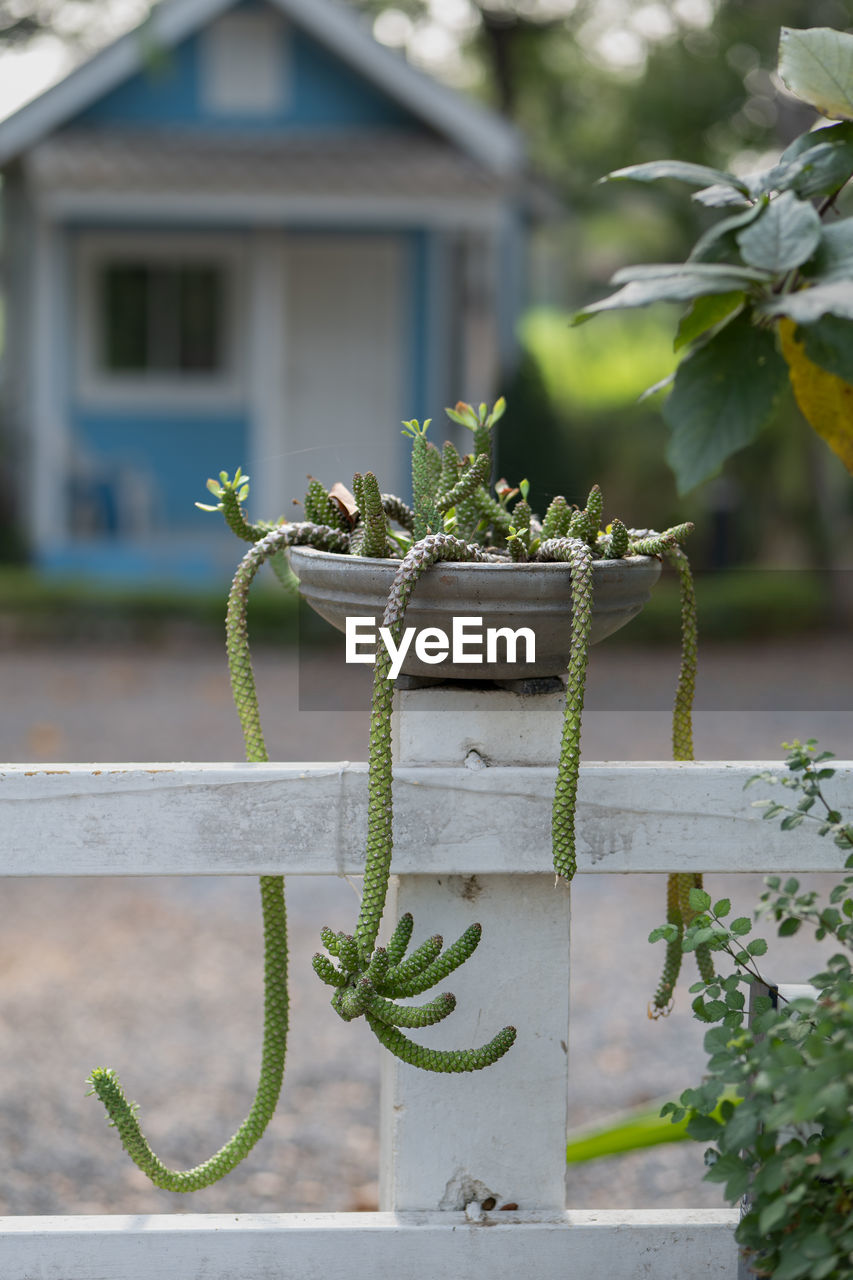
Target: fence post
column 495, row 1136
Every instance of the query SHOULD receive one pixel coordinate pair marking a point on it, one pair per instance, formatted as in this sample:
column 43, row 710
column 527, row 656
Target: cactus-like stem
column 656, row 544
column 122, row 1113
column 662, row 1000
column 396, row 948
column 237, row 641
column 557, row 517
column 415, row 963
column 426, row 475
column 679, row 884
column 367, row 980
column 320, row 508
column 398, row 510
column 439, row 969
column 402, row 1015
column 471, row 479
column 491, row 510
column 579, row 557
column 580, row 527
column 326, row 971
column 435, row 547
column 451, row 466
column 594, row 509
column 444, row 1060
column 517, row 547
column 373, row 519
column 618, row 540
column 104, row 1081
column 522, row 516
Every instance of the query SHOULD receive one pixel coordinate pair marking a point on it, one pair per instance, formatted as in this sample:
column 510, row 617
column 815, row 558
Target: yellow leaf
column 826, row 401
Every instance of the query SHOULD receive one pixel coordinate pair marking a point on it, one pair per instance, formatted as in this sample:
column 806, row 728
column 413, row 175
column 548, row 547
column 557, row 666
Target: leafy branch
column 769, row 286
column 787, row 1143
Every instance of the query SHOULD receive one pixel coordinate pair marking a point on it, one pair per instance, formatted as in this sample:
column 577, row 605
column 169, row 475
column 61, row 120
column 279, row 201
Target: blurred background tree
column 595, row 86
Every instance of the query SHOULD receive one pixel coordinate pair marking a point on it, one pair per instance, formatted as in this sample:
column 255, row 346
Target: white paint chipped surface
column 310, row 819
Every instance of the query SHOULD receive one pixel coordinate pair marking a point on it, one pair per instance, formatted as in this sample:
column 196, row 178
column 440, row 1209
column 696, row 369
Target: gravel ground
column 160, row 978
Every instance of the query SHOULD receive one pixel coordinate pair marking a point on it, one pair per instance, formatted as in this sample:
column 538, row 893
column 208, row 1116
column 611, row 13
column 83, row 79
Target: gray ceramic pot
column 535, row 596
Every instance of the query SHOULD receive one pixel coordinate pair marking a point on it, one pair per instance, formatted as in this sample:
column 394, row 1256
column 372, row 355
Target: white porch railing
column 472, row 819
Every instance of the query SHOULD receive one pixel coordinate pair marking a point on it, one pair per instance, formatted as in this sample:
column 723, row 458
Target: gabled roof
column 480, row 133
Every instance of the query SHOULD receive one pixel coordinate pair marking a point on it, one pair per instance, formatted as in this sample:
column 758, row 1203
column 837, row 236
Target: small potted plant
column 368, row 552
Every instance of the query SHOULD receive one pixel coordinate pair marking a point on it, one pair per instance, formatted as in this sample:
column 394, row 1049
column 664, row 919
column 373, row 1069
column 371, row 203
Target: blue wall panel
column 323, row 91
column 168, row 454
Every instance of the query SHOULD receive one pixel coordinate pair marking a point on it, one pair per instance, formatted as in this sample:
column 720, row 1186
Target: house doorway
column 347, row 357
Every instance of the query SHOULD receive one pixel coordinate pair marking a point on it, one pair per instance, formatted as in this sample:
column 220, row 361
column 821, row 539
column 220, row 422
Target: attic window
column 243, row 64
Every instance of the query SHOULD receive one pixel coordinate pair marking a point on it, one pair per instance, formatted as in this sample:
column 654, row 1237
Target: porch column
column 495, row 1136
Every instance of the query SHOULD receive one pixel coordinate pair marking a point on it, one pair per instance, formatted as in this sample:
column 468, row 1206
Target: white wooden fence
column 473, row 787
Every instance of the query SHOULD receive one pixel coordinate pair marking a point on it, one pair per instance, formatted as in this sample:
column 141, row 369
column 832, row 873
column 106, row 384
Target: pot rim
column 343, row 557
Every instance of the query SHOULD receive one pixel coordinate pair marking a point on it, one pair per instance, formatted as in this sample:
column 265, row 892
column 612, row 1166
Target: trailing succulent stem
column 122, row 1114
column 104, row 1081
column 679, row 884
column 367, row 981
column 450, row 492
column 579, row 557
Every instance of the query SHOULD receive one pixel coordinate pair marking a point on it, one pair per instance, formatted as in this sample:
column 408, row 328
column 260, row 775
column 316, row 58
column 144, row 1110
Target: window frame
column 226, row 96
column 97, row 385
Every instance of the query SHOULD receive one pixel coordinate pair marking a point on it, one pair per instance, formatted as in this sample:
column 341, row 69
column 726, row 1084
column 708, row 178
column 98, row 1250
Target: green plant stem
column 579, row 558
column 428, row 551
column 104, row 1081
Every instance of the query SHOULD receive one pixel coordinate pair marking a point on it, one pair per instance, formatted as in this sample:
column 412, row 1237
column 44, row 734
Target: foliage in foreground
column 769, row 286
column 788, row 1145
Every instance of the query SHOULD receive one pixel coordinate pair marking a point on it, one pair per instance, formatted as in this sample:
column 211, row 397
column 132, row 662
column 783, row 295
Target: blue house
column 245, row 234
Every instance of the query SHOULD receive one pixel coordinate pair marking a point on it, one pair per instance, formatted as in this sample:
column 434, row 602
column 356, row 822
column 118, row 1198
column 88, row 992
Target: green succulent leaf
column 723, row 394
column 817, row 66
column 786, row 234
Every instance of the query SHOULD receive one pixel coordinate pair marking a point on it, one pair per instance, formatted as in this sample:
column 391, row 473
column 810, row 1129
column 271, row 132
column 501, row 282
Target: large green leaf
column 679, row 285
column 807, row 305
column 814, row 164
column 786, row 234
column 720, row 195
column 711, row 272
column 834, row 257
column 705, row 314
column 829, row 343
column 825, row 399
column 724, row 393
column 719, row 239
column 817, row 66
column 695, row 175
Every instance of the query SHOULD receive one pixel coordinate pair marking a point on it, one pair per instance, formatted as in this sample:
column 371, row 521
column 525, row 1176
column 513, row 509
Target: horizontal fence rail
column 576, row 1245
column 450, row 821
column 310, row 819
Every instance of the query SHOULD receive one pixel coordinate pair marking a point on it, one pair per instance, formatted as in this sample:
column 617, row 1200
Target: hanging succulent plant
column 455, row 516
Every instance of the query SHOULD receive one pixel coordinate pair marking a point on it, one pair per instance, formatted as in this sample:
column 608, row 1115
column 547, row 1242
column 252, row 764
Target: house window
column 161, row 318
column 244, row 60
